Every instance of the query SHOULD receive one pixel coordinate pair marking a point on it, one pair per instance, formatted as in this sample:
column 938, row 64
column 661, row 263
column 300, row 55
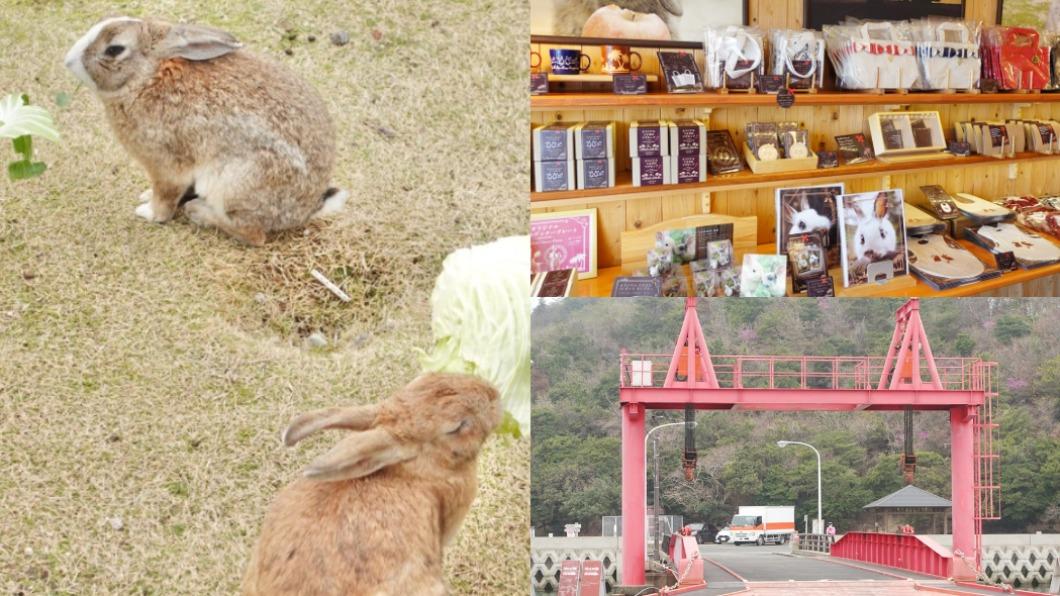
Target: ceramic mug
column 568, row 62
column 619, row 59
column 535, row 61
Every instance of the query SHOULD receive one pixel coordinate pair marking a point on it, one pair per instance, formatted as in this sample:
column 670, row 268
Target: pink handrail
column 901, row 551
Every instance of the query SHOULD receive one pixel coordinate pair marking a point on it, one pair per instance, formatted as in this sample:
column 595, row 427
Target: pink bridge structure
column 908, row 376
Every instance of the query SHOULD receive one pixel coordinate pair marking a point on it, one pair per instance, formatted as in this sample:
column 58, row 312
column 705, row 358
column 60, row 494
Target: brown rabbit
column 246, row 145
column 372, row 516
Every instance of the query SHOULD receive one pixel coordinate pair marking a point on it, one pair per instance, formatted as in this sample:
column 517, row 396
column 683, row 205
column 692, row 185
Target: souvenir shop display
column 594, row 140
column 854, row 149
column 940, row 201
column 719, row 254
column 980, row 210
column 707, row 281
column 872, row 237
column 943, row 263
column 763, row 276
column 948, row 53
column 809, row 210
column 595, row 173
column 1030, row 249
column 618, row 59
column 708, row 236
column 1034, row 213
column 651, row 170
column 680, row 242
column 564, row 240
column 680, row 72
column 733, row 56
column 872, row 55
column 806, row 259
column 899, row 136
column 688, row 147
column 630, row 286
column 798, row 56
column 919, row 222
column 568, row 62
column 722, row 157
column 649, row 148
column 777, row 147
column 553, row 150
column 1016, row 58
column 553, row 284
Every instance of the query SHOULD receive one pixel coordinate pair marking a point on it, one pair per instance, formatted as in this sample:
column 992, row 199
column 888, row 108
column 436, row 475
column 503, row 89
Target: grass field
column 146, row 370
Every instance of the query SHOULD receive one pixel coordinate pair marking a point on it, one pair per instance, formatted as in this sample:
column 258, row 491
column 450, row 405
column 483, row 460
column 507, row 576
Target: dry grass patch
column 145, row 371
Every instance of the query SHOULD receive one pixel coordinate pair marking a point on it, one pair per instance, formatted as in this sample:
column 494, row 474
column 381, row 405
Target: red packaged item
column 1015, row 58
column 1034, row 214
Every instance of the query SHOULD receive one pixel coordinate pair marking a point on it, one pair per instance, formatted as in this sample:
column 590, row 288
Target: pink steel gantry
column 909, row 376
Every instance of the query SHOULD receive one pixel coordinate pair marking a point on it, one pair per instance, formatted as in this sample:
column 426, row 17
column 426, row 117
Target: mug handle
column 587, row 65
column 639, row 61
column 535, row 55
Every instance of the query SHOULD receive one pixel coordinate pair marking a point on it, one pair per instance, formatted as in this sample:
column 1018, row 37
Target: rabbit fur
column 246, row 145
column 875, row 237
column 571, row 15
column 373, row 515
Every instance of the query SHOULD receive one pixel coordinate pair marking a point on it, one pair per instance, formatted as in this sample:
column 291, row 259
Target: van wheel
column 761, row 541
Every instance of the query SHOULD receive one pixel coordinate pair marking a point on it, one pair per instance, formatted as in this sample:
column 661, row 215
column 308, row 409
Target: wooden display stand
column 779, row 166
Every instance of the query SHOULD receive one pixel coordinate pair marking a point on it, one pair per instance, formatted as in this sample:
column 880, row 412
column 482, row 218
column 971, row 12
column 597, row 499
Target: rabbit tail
column 334, row 199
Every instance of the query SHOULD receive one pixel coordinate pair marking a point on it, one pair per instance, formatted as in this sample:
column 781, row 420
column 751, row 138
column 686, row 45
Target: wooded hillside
column 576, row 465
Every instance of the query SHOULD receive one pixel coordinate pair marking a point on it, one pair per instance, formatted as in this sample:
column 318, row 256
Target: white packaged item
column 553, row 175
column 649, row 138
column 977, row 208
column 872, row 55
column 800, row 54
column 942, row 257
column 651, row 170
column 948, row 52
column 732, row 55
column 1028, row 247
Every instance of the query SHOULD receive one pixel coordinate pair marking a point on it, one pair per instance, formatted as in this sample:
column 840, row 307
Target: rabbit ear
column 359, row 454
column 880, row 207
column 672, row 6
column 194, row 42
column 354, row 418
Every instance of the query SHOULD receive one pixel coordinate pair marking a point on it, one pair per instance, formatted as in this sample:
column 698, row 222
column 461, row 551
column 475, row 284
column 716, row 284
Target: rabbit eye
column 459, row 427
column 863, row 241
column 802, row 225
column 883, row 234
column 114, row 51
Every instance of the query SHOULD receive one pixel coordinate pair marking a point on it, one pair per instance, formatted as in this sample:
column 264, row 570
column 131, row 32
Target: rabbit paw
column 146, row 211
column 145, row 196
column 198, row 212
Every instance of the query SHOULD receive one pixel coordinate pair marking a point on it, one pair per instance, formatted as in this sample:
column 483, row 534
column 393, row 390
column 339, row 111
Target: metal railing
column 901, row 551
column 817, row 543
column 801, row 372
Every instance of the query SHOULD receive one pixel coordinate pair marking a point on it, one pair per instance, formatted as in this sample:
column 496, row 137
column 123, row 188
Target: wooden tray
column 779, row 166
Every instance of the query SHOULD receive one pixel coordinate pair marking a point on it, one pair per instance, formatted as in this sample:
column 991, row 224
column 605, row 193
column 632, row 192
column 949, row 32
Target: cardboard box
column 554, row 175
column 595, row 173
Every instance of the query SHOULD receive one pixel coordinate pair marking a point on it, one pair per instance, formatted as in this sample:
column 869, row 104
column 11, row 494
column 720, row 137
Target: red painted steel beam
column 798, row 399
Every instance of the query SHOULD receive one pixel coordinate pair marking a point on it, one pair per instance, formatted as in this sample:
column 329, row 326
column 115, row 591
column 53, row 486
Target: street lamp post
column 819, row 523
column 655, row 496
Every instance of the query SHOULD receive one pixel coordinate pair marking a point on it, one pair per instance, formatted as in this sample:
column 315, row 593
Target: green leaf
column 24, row 146
column 24, row 170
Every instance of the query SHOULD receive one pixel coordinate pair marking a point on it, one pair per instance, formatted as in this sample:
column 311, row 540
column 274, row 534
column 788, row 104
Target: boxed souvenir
column 904, row 134
column 674, row 286
column 553, row 142
column 649, row 138
column 594, row 140
column 680, row 242
column 595, row 173
column 798, row 55
column 808, row 210
column 688, row 137
column 722, row 157
column 763, row 276
column 733, row 57
column 630, row 286
column 806, row 259
column 680, row 72
column 719, row 254
column 872, row 55
column 705, row 235
column 553, row 284
column 943, row 263
column 776, row 166
column 872, row 237
column 660, row 262
column 707, row 280
column 651, row 170
column 1029, row 248
column 554, row 175
column 688, row 167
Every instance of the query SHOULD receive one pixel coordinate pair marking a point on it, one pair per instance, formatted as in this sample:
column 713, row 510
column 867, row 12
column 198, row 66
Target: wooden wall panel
column 823, row 122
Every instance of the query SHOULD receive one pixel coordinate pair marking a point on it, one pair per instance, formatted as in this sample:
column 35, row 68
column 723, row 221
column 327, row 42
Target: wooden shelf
column 600, row 286
column 710, row 99
column 624, row 188
column 590, row 78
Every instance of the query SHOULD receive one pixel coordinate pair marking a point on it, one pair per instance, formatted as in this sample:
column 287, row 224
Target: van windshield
column 744, row 520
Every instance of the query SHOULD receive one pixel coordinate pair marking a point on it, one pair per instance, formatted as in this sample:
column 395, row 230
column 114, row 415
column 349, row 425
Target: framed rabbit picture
column 809, row 210
column 872, row 237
